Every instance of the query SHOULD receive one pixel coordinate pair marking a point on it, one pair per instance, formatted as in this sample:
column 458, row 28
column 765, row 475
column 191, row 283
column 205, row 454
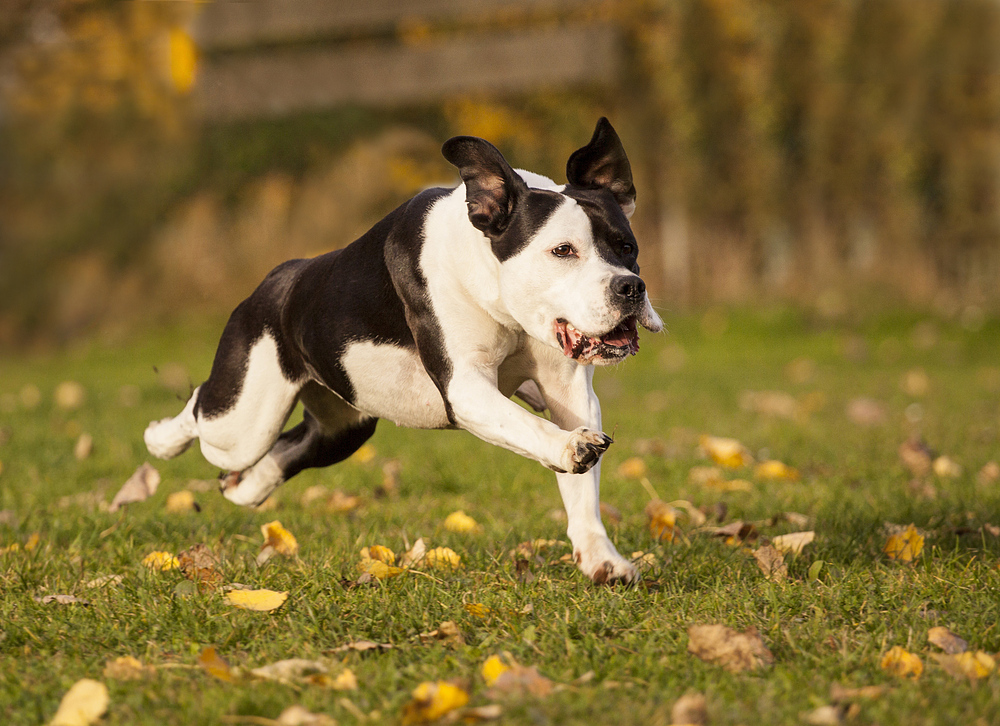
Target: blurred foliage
column 819, row 140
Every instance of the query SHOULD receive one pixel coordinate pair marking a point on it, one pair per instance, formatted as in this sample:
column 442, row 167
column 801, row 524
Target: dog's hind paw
column 585, row 449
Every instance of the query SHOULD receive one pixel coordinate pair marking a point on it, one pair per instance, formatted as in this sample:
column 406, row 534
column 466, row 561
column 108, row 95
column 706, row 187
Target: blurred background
column 158, row 158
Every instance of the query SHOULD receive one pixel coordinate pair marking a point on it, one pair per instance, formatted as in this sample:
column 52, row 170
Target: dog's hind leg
column 331, row 430
column 171, row 437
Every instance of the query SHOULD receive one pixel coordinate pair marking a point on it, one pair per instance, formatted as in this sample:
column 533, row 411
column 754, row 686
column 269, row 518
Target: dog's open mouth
column 613, row 345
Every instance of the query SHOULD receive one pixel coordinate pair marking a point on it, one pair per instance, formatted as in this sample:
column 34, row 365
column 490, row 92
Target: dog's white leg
column 569, row 393
column 171, row 437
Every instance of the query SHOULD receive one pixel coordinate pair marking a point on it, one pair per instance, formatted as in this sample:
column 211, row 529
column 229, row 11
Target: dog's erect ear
column 492, row 188
column 602, row 164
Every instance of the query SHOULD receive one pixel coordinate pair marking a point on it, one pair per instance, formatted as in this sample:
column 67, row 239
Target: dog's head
column 568, row 270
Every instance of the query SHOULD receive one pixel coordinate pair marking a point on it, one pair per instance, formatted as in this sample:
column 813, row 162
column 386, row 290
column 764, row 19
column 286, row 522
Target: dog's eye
column 627, row 249
column 564, row 250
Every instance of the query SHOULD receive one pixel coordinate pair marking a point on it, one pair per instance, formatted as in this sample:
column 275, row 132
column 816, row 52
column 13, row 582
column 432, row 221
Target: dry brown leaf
column 503, row 674
column 989, row 473
column 839, row 693
column 84, row 703
column 127, row 668
column 793, row 542
column 213, row 664
column 916, row 456
column 103, row 580
column 736, row 532
column 290, row 669
column 632, row 468
column 83, row 447
column 902, row 663
column 447, row 632
column 341, row 502
column 139, row 487
column 866, row 412
column 731, row 649
column 361, row 646
column 971, row 665
column 824, row 716
column 413, row 555
column 61, row 599
column 690, row 709
column 662, row 520
column 770, row 403
column 300, row 716
column 946, row 640
column 772, row 563
column 198, row 564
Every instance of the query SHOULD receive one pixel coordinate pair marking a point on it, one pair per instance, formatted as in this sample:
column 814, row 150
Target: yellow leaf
column 380, row 553
column 261, row 600
column 345, row 681
column 381, row 571
column 213, row 664
column 183, row 60
column 793, row 542
column 729, row 453
column 83, row 704
column 971, row 665
column 432, row 700
column 442, row 558
column 364, row 454
column 276, row 536
column 477, row 610
column 182, row 501
column 632, row 468
column 775, row 470
column 493, row 668
column 662, row 520
column 904, row 546
column 946, row 467
column 125, row 668
column 460, row 522
column 900, row 662
column 160, row 561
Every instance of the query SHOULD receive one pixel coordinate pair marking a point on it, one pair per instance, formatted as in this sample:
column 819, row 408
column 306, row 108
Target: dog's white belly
column 390, row 382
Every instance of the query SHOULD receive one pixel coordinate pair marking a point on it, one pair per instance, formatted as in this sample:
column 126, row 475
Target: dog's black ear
column 492, row 188
column 602, row 164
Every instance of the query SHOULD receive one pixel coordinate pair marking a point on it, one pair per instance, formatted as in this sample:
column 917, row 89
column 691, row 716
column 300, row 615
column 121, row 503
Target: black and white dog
column 435, row 317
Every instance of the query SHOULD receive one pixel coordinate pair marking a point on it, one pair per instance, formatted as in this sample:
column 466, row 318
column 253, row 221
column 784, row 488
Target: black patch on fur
column 307, row 446
column 603, row 164
column 534, row 210
column 611, row 228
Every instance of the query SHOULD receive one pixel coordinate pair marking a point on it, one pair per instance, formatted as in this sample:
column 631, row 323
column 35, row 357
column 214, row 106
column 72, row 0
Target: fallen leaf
column 839, row 693
column 413, row 555
column 182, row 501
column 139, row 487
column 731, row 649
column 345, row 681
column 643, row 561
column 477, row 610
column 729, row 453
column 632, row 468
column 662, row 520
column 378, row 570
column 904, row 546
column 364, row 454
column 83, row 447
column 126, row 668
column 461, row 523
column 289, row 669
column 313, row 493
column 442, row 558
column 379, row 553
column 341, row 502
column 946, row 640
column 774, row 470
column 69, row 395
column 947, row 468
column 492, row 668
column 915, row 383
column 260, row 600
column 533, row 548
column 61, row 599
column 971, row 665
column 160, row 561
column 772, row 563
column 103, row 580
column 736, row 532
column 866, row 412
column 198, row 563
column 793, row 542
column 447, row 632
column 361, row 646
column 690, row 709
column 432, row 700
column 989, row 473
column 902, row 663
column 213, row 664
column 279, row 539
column 300, row 716
column 84, row 703
column 390, row 478
column 823, row 716
column 481, row 713
column 916, row 456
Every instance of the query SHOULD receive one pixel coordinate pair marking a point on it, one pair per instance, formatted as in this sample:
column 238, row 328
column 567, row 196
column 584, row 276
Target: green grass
column 831, row 630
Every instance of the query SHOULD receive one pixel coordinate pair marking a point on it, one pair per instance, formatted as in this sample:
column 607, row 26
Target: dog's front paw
column 584, row 449
column 600, row 561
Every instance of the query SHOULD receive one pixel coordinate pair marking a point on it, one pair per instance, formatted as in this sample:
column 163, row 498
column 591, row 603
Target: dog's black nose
column 630, row 287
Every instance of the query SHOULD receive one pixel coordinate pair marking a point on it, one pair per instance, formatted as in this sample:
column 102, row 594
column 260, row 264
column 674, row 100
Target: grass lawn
column 614, row 655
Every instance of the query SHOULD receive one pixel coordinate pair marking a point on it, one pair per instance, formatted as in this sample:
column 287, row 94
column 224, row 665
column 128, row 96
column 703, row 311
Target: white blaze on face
column 538, row 288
